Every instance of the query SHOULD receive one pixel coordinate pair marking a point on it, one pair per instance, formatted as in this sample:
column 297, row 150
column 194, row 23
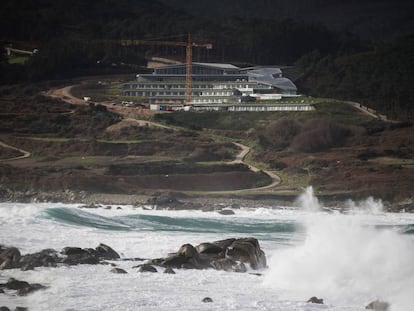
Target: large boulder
column 229, row 255
column 44, row 258
column 9, row 258
column 378, row 305
column 76, row 255
column 208, row 248
column 105, row 252
column 187, row 251
column 247, row 250
column 22, row 287
column 315, row 299
column 228, row 264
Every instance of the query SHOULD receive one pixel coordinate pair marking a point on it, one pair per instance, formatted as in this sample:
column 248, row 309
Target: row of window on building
column 167, row 93
column 223, row 86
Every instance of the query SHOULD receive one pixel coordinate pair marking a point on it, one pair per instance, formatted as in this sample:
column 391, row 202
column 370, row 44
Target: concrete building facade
column 212, row 83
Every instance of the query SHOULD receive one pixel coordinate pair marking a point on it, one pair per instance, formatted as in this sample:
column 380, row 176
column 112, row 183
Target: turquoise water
column 349, row 260
column 168, row 223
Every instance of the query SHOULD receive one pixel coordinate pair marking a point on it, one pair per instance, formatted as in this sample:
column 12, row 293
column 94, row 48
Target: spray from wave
column 345, row 260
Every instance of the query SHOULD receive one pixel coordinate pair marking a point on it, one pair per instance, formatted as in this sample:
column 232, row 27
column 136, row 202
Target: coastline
column 183, row 201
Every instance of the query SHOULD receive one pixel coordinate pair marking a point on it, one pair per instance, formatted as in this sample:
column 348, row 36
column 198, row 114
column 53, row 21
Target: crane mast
column 188, row 77
column 188, row 51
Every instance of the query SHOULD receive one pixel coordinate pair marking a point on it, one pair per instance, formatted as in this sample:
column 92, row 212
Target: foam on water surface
column 349, row 260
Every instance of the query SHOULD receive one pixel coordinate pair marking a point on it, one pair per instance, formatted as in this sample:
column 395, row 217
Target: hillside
column 357, row 50
column 370, row 19
column 77, row 151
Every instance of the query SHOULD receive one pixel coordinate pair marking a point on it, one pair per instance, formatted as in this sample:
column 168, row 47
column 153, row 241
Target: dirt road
column 240, row 159
column 25, row 153
column 65, row 94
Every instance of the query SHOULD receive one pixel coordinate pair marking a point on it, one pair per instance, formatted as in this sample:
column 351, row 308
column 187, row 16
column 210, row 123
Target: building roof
column 271, row 76
column 266, row 75
column 218, row 65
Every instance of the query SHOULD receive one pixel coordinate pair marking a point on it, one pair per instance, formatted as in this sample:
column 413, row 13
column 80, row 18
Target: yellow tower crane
column 189, row 44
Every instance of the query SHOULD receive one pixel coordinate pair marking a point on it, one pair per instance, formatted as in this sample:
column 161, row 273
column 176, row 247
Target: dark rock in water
column 4, row 308
column 73, row 251
column 169, row 270
column 240, row 267
column 170, row 201
column 22, row 287
column 187, row 251
column 235, row 206
column 92, row 205
column 44, row 258
column 21, row 309
column 228, row 255
column 228, row 264
column 146, row 268
column 105, row 252
column 9, row 258
column 207, row 299
column 224, row 243
column 315, row 300
column 247, row 250
column 225, row 264
column 1, row 292
column 209, row 248
column 81, row 257
column 226, row 212
column 175, row 261
column 189, row 265
column 30, row 289
column 27, row 267
column 12, row 283
column 118, row 270
column 77, row 255
column 378, row 305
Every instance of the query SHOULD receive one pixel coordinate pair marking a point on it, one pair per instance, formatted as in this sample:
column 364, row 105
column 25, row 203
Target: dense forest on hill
column 315, row 35
column 370, row 19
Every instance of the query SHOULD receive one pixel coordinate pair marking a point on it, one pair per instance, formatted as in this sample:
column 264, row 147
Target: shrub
column 280, row 133
column 319, row 135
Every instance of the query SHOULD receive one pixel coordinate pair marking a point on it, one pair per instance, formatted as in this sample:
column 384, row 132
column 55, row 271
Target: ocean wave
column 146, row 222
column 79, row 217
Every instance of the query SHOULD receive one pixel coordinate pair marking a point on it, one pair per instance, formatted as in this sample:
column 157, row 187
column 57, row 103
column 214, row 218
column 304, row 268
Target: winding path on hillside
column 240, row 159
column 66, row 95
column 25, row 154
column 370, row 112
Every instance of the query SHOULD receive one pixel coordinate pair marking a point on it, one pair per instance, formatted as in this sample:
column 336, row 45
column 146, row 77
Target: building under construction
column 211, row 83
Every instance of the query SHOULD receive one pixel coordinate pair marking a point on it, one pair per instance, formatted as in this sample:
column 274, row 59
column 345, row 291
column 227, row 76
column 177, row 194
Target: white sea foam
column 348, row 247
column 346, row 259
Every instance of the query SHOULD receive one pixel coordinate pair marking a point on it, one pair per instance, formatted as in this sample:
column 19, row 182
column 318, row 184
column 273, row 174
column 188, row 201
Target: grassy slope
column 71, row 149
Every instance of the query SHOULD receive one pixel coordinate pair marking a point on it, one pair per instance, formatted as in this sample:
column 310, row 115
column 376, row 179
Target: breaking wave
column 345, row 259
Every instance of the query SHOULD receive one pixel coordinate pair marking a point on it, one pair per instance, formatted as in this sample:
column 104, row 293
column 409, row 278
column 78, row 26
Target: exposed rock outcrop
column 10, row 257
column 22, row 288
column 315, row 299
column 378, row 305
column 228, row 255
column 118, row 271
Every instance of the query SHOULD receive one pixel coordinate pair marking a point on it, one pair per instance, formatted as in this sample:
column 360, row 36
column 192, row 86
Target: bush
column 280, row 133
column 319, row 135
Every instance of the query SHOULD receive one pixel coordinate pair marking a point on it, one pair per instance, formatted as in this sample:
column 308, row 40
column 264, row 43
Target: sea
column 348, row 257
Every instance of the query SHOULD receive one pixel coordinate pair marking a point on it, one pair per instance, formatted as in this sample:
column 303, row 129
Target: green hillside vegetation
column 380, row 77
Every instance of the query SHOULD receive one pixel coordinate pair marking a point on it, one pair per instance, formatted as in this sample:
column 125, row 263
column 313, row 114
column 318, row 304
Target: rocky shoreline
column 181, row 201
column 231, row 255
column 237, row 255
